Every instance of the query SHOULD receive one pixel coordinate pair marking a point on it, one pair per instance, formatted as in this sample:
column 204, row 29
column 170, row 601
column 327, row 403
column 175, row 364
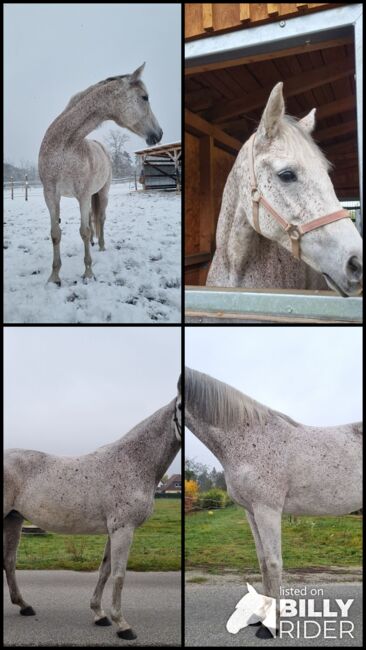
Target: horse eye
column 287, row 176
column 145, row 98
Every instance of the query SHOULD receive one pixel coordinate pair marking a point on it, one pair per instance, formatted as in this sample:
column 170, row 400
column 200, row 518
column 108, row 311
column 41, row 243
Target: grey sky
column 313, row 374
column 71, row 390
column 53, row 51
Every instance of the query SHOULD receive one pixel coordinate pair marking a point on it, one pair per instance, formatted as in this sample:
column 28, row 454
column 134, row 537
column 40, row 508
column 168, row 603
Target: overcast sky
column 53, row 51
column 69, row 390
column 313, row 374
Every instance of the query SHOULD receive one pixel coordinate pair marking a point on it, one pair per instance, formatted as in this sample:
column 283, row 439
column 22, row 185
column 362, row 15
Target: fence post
column 26, row 187
column 12, row 186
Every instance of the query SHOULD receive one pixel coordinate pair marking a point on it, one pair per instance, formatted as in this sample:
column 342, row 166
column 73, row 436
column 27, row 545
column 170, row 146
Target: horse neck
column 212, row 437
column 76, row 122
column 152, row 442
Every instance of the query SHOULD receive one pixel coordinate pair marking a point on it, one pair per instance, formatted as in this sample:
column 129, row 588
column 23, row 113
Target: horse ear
column 273, row 113
column 308, row 122
column 135, row 76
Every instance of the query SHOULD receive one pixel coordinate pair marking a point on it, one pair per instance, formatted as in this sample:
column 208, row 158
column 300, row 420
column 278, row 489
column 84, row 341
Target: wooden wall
column 206, row 169
column 203, row 19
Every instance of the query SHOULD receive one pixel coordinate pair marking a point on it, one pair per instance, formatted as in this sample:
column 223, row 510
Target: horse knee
column 56, row 235
column 85, row 233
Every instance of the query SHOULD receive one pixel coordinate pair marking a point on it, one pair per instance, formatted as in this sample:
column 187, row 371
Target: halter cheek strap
column 295, row 232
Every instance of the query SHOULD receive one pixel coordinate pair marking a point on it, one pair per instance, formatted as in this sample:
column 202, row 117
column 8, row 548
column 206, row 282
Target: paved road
column 209, row 606
column 152, row 605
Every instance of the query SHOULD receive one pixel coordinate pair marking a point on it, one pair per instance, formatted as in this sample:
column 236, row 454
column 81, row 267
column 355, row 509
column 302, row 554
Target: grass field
column 156, row 545
column 223, row 541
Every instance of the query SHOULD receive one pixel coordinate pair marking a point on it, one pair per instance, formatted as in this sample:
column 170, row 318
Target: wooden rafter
column 294, row 85
column 334, row 131
column 207, row 19
column 198, row 126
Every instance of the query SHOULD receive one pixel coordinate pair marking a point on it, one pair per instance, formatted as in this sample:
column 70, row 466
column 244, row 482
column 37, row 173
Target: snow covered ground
column 138, row 276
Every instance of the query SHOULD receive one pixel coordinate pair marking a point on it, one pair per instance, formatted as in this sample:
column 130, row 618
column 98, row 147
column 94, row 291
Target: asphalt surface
column 151, row 604
column 208, row 607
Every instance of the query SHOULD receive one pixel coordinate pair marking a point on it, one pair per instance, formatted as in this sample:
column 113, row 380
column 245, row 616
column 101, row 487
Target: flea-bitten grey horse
column 70, row 165
column 274, row 465
column 281, row 224
column 110, row 490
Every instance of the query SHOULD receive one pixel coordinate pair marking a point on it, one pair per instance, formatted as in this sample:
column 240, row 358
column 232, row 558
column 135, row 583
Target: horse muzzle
column 154, row 137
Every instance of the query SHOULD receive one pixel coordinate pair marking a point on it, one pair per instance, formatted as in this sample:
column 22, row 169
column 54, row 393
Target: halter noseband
column 177, row 426
column 295, row 232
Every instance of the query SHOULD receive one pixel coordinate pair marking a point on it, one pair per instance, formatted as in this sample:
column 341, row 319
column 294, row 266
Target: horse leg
column 53, row 204
column 260, row 553
column 104, row 573
column 103, row 202
column 268, row 525
column 91, row 227
column 12, row 531
column 121, row 540
column 85, row 236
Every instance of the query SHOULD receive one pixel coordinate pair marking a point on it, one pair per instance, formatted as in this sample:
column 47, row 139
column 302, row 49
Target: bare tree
column 121, row 159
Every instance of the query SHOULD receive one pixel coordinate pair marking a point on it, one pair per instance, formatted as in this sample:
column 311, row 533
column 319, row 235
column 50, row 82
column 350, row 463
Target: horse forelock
column 222, row 405
column 300, row 143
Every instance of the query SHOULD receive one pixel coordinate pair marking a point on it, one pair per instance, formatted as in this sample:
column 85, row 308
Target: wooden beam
column 244, row 13
column 198, row 126
column 197, row 259
column 206, row 209
column 207, row 17
column 293, row 86
column 272, row 10
column 334, row 131
column 336, row 107
column 252, row 58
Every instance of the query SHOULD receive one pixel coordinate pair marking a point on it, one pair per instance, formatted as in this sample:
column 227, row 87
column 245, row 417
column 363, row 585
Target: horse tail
column 95, row 214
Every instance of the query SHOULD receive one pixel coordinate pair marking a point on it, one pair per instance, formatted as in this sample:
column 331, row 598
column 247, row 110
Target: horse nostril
column 354, row 268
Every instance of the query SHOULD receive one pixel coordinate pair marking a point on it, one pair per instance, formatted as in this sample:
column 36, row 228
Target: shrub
column 190, row 495
column 214, row 498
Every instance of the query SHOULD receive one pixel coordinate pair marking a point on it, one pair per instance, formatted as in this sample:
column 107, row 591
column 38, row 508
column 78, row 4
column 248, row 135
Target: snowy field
column 137, row 277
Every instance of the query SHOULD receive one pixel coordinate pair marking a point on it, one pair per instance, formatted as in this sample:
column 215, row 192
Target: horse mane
column 299, row 142
column 76, row 98
column 223, row 405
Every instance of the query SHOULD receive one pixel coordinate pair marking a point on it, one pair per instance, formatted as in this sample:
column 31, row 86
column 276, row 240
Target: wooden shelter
column 161, row 166
column 234, row 55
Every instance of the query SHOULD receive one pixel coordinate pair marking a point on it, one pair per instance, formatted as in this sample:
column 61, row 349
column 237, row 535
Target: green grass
column 223, row 541
column 155, row 547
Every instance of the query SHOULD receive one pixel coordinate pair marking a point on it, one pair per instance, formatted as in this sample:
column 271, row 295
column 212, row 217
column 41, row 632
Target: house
column 172, row 486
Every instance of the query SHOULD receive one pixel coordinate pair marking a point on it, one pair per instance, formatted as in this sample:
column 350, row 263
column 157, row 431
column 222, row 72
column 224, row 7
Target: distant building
column 172, row 486
column 160, row 166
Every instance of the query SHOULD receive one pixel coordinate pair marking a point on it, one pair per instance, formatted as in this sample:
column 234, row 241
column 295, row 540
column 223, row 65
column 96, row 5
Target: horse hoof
column 103, row 621
column 264, row 633
column 27, row 611
column 128, row 635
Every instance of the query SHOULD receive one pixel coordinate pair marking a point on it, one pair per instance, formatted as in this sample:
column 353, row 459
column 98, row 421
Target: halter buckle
column 255, row 195
column 293, row 232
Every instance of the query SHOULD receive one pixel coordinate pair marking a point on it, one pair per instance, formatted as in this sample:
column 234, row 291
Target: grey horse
column 273, row 464
column 70, row 165
column 110, row 491
column 281, row 171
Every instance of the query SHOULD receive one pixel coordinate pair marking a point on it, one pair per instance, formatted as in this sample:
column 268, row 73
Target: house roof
column 175, row 478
